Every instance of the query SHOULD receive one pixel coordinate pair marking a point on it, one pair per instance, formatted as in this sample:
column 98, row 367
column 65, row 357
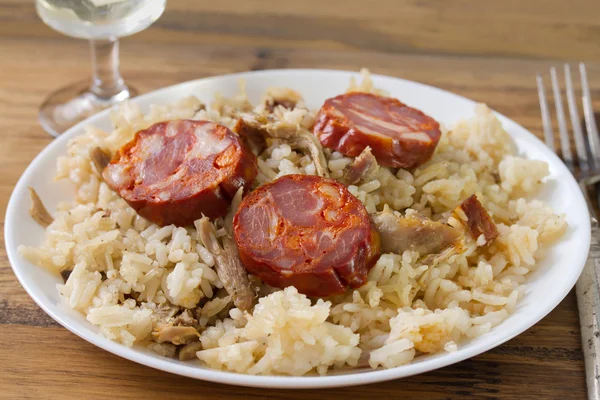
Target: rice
column 285, row 334
column 126, row 273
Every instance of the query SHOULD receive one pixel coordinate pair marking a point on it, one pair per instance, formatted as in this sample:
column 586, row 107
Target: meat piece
column 476, row 219
column 175, row 334
column 165, row 313
column 100, row 158
column 175, row 171
column 185, row 319
column 251, row 134
column 235, row 204
column 257, row 129
column 415, row 233
column 38, row 211
column 188, row 352
column 229, row 268
column 284, row 97
column 308, row 232
column 362, row 168
column 400, row 136
column 307, row 142
column 272, row 103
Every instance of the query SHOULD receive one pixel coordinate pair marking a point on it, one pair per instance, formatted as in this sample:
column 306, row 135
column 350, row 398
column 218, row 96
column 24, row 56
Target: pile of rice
column 125, row 269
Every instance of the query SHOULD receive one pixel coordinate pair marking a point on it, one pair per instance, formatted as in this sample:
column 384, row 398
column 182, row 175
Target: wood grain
column 488, row 51
column 533, row 29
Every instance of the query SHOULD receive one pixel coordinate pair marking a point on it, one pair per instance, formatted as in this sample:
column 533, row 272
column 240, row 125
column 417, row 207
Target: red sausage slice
column 308, row 232
column 175, row 171
column 399, row 136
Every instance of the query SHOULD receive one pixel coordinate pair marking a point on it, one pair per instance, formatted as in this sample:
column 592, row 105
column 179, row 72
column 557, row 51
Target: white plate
column 546, row 287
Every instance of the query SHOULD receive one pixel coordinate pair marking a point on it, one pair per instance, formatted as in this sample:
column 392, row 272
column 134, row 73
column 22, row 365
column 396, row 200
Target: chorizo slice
column 399, row 136
column 306, row 231
column 175, row 171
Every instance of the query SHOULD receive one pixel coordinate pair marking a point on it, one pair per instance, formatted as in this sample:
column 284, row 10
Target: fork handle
column 588, row 302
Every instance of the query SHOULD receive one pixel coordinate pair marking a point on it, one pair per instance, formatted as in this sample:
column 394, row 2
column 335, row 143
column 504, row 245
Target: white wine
column 102, row 22
column 99, row 19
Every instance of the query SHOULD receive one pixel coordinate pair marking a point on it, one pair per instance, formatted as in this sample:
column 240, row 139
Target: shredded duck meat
column 38, row 211
column 362, row 168
column 100, row 158
column 175, row 334
column 229, row 268
column 416, row 233
column 476, row 219
column 256, row 129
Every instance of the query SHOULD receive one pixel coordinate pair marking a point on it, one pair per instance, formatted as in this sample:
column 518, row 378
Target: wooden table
column 486, row 50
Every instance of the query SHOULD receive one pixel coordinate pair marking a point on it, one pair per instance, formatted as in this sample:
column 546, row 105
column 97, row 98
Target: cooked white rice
column 125, row 269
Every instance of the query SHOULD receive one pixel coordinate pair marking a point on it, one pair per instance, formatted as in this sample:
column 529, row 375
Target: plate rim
column 274, row 381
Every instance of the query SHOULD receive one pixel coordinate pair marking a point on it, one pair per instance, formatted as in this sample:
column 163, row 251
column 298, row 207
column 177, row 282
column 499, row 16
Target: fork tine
column 546, row 121
column 562, row 123
column 588, row 113
column 580, row 147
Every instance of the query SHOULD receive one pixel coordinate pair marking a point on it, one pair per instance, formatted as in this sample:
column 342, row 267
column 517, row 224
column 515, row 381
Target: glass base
column 66, row 107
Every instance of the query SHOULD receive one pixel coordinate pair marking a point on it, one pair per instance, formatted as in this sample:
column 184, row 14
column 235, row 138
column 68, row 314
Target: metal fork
column 587, row 149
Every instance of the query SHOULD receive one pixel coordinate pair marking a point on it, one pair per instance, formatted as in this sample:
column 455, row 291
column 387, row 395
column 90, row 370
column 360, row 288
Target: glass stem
column 106, row 78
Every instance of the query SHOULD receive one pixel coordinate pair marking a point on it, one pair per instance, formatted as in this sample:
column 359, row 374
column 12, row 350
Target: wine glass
column 102, row 22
